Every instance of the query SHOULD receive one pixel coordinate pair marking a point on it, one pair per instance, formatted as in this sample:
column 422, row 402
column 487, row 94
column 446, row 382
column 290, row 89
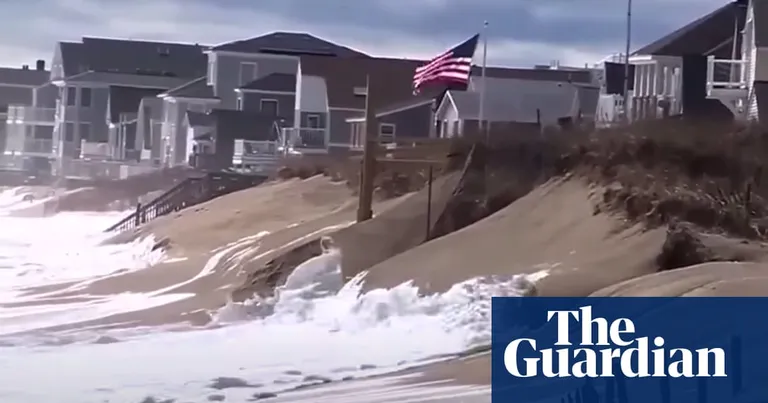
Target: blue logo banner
column 629, row 350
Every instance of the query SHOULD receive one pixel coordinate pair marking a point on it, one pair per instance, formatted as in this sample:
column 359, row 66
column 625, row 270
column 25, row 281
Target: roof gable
column 147, row 58
column 289, row 43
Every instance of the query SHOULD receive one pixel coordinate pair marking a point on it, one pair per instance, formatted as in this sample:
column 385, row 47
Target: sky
column 520, row 33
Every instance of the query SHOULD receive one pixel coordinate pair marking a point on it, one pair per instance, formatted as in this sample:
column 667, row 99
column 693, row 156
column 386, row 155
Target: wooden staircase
column 189, row 192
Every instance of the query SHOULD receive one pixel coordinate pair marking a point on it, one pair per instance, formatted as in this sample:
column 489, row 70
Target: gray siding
column 304, row 119
column 175, row 120
column 286, row 104
column 45, row 96
column 15, row 95
column 95, row 115
column 148, row 131
column 57, row 66
column 228, row 73
column 340, row 130
column 415, row 122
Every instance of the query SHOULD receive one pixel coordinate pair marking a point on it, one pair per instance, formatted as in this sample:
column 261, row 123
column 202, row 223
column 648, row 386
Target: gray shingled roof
column 703, row 34
column 127, row 80
column 132, row 57
column 23, row 77
column 273, row 82
column 298, row 43
column 197, row 88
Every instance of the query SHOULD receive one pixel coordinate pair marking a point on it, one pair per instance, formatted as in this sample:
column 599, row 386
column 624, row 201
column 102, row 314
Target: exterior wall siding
column 15, row 95
column 286, row 104
column 57, row 66
column 227, row 71
column 340, row 132
column 413, row 123
column 94, row 115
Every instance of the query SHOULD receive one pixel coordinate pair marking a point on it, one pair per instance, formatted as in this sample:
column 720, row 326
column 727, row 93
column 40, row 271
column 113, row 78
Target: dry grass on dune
column 629, row 202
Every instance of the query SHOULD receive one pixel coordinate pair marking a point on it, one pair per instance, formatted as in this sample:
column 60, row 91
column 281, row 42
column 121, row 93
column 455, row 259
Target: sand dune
column 554, row 225
column 707, row 279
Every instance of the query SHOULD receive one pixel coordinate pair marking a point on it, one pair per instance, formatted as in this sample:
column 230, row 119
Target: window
column 71, row 96
column 69, row 132
column 386, row 133
column 313, row 121
column 239, row 103
column 248, row 72
column 85, row 97
column 85, row 131
column 269, row 107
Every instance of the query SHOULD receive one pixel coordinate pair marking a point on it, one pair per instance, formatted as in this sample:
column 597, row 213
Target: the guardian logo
column 607, row 349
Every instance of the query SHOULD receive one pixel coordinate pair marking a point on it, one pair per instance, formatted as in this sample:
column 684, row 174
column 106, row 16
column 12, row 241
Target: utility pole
column 626, row 61
column 368, row 166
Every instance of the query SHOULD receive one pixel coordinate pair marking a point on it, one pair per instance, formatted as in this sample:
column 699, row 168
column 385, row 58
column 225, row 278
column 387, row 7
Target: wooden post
column 138, row 215
column 365, row 200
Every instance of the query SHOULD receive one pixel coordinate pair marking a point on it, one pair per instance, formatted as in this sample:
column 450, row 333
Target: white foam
column 316, row 325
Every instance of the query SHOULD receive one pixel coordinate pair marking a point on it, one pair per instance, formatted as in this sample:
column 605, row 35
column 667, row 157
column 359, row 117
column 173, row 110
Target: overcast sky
column 521, row 32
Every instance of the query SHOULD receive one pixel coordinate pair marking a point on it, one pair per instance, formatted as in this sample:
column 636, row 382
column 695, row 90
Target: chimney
column 25, row 67
column 40, row 65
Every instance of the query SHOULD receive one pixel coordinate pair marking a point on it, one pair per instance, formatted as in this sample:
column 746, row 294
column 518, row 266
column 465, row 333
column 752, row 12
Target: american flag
column 453, row 66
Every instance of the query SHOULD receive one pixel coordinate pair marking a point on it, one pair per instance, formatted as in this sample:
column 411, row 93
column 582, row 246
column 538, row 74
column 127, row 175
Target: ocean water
column 317, row 331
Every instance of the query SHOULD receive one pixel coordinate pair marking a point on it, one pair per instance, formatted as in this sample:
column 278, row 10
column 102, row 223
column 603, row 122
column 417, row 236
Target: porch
column 728, row 81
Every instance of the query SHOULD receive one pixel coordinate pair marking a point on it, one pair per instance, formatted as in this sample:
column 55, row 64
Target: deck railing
column 189, row 192
column 726, row 74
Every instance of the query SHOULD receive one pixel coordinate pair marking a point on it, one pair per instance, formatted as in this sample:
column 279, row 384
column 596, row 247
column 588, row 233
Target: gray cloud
column 522, row 32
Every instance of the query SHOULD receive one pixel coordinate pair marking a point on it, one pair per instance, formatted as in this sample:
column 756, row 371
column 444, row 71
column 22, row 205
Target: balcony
column 305, row 140
column 18, row 114
column 727, row 76
column 728, row 81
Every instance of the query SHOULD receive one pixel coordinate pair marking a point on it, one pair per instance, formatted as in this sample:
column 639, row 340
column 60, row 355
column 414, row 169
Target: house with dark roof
column 512, row 105
column 684, row 72
column 255, row 74
column 739, row 79
column 82, row 105
column 415, row 116
column 19, row 87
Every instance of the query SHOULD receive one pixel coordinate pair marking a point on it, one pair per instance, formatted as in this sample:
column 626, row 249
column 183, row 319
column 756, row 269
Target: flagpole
column 481, row 112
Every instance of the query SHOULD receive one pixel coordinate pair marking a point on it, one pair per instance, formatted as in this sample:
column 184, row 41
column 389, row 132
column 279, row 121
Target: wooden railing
column 191, row 191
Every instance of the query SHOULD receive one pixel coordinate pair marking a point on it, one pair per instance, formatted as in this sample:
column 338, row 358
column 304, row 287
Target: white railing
column 305, row 140
column 259, row 156
column 18, row 114
column 735, row 71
